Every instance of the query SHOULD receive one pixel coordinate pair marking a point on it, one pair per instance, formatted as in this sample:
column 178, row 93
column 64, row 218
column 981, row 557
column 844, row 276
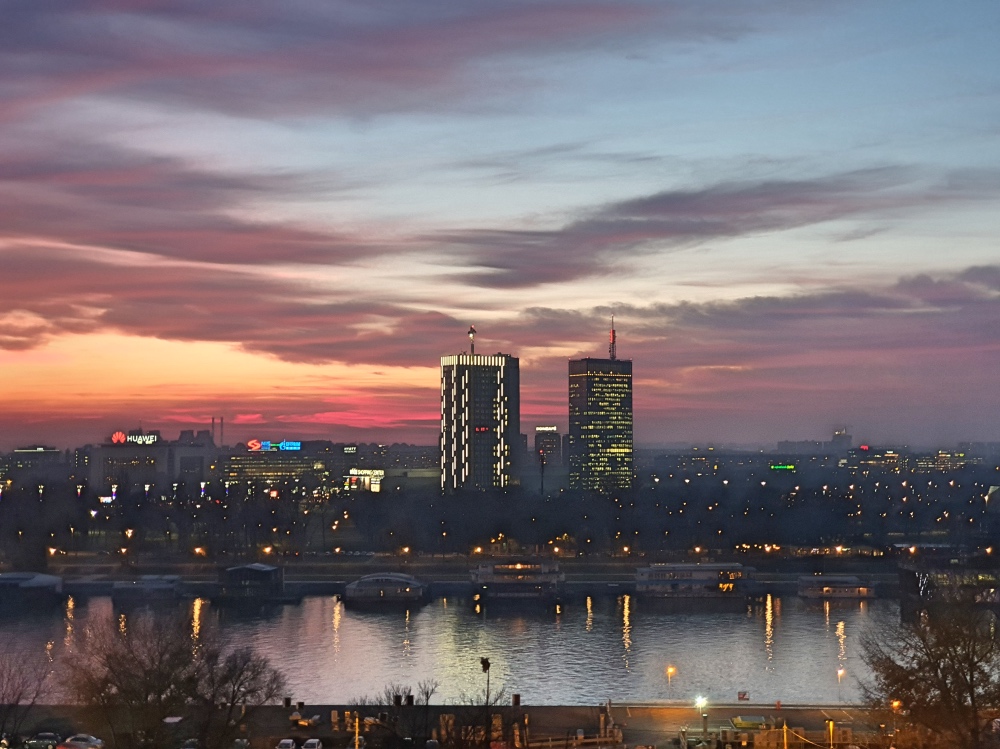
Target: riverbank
column 94, row 575
column 632, row 724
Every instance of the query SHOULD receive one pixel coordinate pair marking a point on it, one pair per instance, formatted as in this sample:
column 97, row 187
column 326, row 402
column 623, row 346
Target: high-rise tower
column 480, row 419
column 600, row 422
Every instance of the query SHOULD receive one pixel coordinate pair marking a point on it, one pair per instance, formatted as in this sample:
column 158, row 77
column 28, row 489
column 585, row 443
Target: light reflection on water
column 590, row 651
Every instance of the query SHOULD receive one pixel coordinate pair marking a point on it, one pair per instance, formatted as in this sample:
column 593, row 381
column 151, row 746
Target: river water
column 589, row 651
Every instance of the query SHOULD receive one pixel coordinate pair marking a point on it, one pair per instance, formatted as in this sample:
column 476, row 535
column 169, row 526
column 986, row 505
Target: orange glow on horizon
column 99, row 377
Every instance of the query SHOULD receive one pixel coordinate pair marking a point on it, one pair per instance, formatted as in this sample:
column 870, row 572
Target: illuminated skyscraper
column 600, row 422
column 480, row 420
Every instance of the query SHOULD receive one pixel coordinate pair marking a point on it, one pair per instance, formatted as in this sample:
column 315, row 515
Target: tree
column 404, row 720
column 943, row 669
column 24, row 680
column 230, row 687
column 139, row 671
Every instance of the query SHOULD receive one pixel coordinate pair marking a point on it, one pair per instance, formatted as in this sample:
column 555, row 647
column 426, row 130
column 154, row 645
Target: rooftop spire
column 472, row 339
column 613, row 341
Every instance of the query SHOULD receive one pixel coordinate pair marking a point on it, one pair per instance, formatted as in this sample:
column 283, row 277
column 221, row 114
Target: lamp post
column 670, row 675
column 487, row 724
column 700, row 703
column 485, row 663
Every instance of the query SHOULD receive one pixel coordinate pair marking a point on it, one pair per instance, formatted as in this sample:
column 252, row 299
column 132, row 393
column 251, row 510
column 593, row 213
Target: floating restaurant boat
column 518, row 580
column 385, row 589
column 24, row 590
column 834, row 586
column 693, row 580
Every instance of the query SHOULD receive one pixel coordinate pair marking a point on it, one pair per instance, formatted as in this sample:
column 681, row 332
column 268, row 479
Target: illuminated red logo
column 118, row 438
column 864, row 447
column 253, row 445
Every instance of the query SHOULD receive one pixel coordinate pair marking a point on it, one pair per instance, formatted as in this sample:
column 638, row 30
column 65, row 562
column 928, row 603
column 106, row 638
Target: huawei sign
column 120, row 438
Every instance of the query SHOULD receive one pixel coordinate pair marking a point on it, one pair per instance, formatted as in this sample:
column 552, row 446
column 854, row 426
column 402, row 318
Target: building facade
column 480, row 421
column 600, row 424
column 548, row 442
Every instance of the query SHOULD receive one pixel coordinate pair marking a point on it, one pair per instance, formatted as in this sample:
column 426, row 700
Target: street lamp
column 700, row 703
column 670, row 675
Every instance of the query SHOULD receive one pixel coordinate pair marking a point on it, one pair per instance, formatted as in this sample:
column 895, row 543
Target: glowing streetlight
column 671, row 670
column 700, row 702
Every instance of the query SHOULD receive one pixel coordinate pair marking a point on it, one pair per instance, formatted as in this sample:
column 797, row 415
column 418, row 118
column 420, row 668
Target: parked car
column 82, row 741
column 43, row 741
column 312, row 744
column 286, row 744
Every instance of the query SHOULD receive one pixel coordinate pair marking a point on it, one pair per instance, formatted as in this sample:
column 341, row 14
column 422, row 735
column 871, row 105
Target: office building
column 135, row 457
column 600, row 422
column 480, row 420
column 548, row 442
column 273, row 461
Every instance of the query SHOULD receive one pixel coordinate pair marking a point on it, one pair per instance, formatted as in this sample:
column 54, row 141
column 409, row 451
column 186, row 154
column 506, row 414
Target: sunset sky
column 284, row 213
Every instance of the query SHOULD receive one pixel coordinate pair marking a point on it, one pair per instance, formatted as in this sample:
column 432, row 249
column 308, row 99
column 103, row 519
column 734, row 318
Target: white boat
column 518, row 580
column 385, row 588
column 693, row 580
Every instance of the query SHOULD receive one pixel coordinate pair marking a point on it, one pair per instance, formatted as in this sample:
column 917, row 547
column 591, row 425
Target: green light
column 784, row 467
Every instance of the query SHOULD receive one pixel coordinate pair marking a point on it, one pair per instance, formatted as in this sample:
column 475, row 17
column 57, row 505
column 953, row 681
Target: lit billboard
column 267, row 446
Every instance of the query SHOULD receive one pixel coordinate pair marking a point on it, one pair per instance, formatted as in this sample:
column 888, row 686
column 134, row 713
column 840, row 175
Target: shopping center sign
column 266, row 446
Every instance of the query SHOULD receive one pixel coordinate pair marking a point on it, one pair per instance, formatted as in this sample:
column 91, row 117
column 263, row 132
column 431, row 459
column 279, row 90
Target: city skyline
column 284, row 214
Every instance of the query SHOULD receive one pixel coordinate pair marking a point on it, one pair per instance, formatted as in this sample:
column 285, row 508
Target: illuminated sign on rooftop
column 371, row 472
column 266, row 446
column 546, row 429
column 120, row 438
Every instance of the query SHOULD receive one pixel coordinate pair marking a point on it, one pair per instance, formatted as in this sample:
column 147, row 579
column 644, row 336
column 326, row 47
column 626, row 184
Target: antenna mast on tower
column 472, row 339
column 612, row 345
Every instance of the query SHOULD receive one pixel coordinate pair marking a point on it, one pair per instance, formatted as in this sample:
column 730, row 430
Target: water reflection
column 70, row 613
column 769, row 628
column 595, row 648
column 841, row 641
column 627, row 628
column 338, row 609
column 406, row 634
column 196, row 611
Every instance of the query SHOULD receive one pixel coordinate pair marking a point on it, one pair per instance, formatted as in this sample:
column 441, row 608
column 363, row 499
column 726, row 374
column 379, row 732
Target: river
column 589, row 651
